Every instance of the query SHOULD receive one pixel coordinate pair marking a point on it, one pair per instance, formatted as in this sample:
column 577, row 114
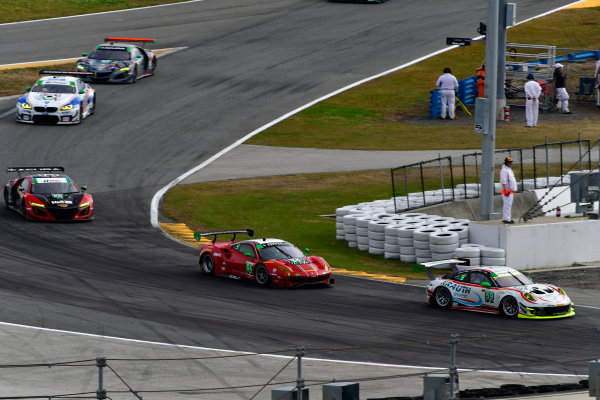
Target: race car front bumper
column 116, row 76
column 546, row 312
column 54, row 213
column 48, row 115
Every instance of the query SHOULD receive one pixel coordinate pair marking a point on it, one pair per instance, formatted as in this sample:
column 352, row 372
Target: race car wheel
column 510, row 307
column 442, row 298
column 6, row 197
column 92, row 107
column 154, row 62
column 261, row 275
column 208, row 264
column 23, row 208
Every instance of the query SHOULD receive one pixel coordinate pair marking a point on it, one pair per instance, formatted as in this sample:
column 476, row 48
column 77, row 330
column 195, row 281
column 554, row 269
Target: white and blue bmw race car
column 62, row 98
column 496, row 290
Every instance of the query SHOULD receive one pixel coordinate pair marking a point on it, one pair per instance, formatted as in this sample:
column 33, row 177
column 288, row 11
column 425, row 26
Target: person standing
column 561, row 89
column 509, row 187
column 481, row 81
column 533, row 90
column 448, row 86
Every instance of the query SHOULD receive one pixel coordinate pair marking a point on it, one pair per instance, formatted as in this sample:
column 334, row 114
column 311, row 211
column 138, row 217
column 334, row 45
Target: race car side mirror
column 82, row 91
column 139, row 56
column 84, row 187
column 84, row 54
column 28, row 88
column 249, row 255
column 20, row 188
column 306, row 251
column 486, row 285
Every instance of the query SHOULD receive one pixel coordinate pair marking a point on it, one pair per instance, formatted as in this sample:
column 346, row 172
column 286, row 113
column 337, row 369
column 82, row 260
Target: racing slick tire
column 261, row 275
column 154, row 63
column 207, row 264
column 135, row 75
column 509, row 307
column 442, row 298
column 23, row 209
column 93, row 106
column 6, row 197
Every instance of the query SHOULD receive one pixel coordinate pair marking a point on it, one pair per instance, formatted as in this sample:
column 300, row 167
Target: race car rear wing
column 70, row 73
column 125, row 39
column 453, row 263
column 198, row 235
column 35, row 169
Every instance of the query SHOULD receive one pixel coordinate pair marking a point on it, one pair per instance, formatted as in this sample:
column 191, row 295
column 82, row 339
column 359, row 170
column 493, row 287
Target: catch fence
column 446, row 179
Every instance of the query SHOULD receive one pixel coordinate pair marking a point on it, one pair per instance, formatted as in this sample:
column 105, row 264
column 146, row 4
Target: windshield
column 512, row 279
column 52, row 88
column 54, row 187
column 103, row 54
column 278, row 251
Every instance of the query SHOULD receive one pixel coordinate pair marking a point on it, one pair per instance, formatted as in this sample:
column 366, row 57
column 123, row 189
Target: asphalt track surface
column 245, row 64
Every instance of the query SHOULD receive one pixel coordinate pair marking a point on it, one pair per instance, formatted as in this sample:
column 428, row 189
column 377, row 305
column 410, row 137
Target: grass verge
column 288, row 207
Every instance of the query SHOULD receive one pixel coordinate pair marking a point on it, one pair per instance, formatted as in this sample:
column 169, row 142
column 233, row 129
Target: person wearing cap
column 448, row 86
column 509, row 187
column 562, row 96
column 533, row 90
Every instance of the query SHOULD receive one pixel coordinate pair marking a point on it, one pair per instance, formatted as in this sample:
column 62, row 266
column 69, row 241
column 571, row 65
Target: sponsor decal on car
column 249, row 266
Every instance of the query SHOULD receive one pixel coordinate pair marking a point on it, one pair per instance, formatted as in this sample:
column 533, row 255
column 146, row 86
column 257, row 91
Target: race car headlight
column 26, row 106
column 81, row 67
column 124, row 69
column 82, row 205
column 561, row 291
column 40, row 205
column 66, row 107
column 529, row 297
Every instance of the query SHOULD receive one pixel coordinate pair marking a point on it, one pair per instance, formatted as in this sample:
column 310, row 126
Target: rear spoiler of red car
column 124, row 39
column 35, row 169
column 70, row 73
column 200, row 235
column 453, row 263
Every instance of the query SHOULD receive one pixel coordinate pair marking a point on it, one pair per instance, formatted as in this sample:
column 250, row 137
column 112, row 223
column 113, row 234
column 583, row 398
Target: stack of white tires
column 491, row 256
column 422, row 245
column 443, row 244
column 471, row 252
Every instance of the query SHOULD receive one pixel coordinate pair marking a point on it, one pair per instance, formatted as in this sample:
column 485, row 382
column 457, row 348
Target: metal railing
column 445, row 179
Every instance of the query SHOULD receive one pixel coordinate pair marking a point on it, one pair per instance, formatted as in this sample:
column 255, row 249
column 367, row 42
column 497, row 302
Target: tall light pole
column 500, row 14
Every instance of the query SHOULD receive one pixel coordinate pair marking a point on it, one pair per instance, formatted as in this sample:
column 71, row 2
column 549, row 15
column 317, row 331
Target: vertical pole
column 453, row 370
column 300, row 381
column 100, row 363
column 394, row 191
column 580, row 157
column 488, row 142
column 441, row 176
column 547, row 166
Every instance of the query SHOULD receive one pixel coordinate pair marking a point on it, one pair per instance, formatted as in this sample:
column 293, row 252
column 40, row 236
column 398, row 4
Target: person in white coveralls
column 448, row 86
column 533, row 90
column 509, row 187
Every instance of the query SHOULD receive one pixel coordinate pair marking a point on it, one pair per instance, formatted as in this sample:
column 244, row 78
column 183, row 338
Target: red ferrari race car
column 47, row 196
column 264, row 261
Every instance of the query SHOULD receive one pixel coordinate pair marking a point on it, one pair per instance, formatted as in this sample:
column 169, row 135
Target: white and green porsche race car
column 496, row 290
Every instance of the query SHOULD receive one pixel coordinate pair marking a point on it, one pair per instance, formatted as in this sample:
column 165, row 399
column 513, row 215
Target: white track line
column 278, row 355
column 100, row 13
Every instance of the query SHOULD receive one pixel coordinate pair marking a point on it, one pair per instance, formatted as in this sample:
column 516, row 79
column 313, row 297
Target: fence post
column 547, row 165
column 453, row 370
column 579, row 142
column 300, row 381
column 100, row 363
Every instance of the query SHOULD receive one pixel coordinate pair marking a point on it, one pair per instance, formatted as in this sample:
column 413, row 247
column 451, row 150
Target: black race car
column 117, row 61
column 47, row 195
